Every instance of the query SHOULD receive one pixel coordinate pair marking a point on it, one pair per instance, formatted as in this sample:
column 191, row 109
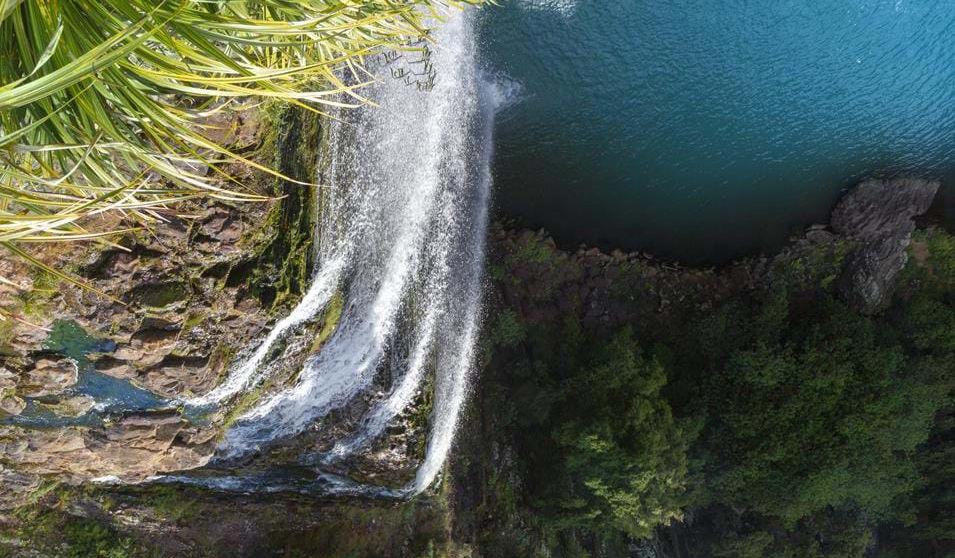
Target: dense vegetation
column 614, row 459
column 774, row 421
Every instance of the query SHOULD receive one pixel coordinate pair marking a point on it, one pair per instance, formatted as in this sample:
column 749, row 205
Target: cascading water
column 402, row 239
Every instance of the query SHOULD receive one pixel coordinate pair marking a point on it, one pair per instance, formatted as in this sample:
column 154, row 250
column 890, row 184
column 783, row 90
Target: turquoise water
column 703, row 130
column 112, row 395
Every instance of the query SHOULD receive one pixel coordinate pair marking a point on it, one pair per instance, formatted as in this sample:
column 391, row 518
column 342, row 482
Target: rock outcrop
column 132, row 449
column 879, row 216
column 180, row 301
column 49, row 376
column 173, row 337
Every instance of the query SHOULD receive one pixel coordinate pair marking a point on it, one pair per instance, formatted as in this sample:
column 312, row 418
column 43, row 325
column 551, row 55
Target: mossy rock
column 159, row 295
column 282, row 261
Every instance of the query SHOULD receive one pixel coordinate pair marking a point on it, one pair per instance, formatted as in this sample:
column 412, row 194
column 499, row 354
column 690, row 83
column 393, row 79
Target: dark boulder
column 879, row 216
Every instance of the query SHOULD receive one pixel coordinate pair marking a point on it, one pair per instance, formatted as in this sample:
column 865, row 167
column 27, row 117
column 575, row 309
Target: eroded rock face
column 174, row 337
column 183, row 299
column 49, row 376
column 132, row 449
column 16, row 487
column 875, row 208
column 880, row 216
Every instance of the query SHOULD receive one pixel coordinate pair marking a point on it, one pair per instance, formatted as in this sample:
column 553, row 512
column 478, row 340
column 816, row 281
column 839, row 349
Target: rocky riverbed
column 174, row 323
column 169, row 307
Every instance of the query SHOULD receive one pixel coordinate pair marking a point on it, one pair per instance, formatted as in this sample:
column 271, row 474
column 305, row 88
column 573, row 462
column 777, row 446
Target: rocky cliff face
column 171, row 333
column 878, row 215
column 178, row 303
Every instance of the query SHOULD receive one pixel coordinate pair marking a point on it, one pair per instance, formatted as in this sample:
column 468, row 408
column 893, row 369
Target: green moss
column 160, row 295
column 87, row 539
column 332, row 316
column 282, row 257
column 221, row 356
column 194, row 318
column 421, row 415
column 243, row 404
column 6, row 335
column 48, row 525
column 172, row 503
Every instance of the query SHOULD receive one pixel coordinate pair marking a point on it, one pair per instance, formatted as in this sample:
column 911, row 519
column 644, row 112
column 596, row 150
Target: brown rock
column 115, row 367
column 74, row 406
column 48, row 377
column 8, row 380
column 11, row 405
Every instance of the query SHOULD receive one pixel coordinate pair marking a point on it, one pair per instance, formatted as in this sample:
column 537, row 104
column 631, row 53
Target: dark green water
column 702, row 130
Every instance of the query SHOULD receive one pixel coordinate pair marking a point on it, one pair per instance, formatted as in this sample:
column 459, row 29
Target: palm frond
column 104, row 103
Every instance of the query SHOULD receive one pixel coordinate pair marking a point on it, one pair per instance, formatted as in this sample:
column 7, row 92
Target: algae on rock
column 281, row 265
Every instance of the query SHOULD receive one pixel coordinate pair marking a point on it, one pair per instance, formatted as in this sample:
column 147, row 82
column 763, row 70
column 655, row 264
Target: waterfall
column 402, row 238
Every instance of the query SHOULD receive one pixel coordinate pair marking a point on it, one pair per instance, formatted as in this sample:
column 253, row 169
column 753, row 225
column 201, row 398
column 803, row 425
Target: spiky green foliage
column 106, row 105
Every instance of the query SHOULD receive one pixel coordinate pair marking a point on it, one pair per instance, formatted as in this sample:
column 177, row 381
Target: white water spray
column 251, row 371
column 403, row 241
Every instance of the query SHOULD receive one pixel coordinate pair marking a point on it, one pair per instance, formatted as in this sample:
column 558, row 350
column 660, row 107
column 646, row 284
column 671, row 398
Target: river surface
column 703, row 131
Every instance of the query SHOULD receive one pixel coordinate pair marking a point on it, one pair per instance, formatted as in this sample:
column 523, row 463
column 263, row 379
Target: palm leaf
column 97, row 94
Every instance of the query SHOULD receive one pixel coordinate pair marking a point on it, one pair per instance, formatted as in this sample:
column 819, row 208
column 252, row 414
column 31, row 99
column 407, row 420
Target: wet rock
column 879, row 215
column 180, row 328
column 174, row 338
column 49, row 376
column 11, row 405
column 71, row 406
